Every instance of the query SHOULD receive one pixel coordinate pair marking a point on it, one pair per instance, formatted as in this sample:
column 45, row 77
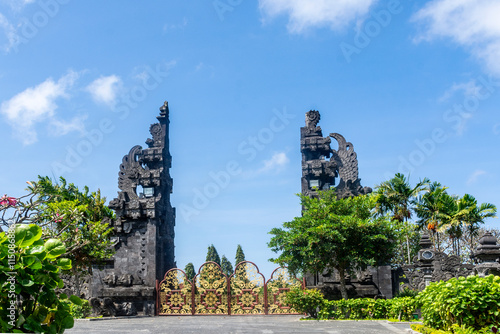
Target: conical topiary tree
column 227, row 267
column 240, row 256
column 189, row 270
column 212, row 255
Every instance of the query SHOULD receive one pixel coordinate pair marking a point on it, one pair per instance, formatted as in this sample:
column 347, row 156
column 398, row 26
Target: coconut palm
column 397, row 197
column 434, row 209
column 470, row 215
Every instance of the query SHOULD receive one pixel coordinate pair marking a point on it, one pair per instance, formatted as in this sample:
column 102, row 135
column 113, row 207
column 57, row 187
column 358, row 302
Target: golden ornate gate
column 174, row 294
column 245, row 292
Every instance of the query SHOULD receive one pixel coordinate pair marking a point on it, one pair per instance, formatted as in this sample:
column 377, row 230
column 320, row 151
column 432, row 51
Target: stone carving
column 143, row 230
column 322, row 165
column 487, row 255
column 108, row 308
column 430, row 265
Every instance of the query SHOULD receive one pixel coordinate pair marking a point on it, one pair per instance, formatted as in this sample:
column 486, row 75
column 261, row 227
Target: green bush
column 407, row 292
column 80, row 311
column 29, row 270
column 472, row 302
column 306, row 301
column 402, row 308
column 367, row 308
column 455, row 330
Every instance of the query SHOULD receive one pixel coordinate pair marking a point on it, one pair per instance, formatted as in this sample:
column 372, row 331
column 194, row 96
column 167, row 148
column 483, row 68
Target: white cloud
column 469, row 89
column 276, row 163
column 473, row 24
column 10, row 33
column 335, row 14
column 170, row 27
column 34, row 105
column 474, row 176
column 105, row 89
column 58, row 127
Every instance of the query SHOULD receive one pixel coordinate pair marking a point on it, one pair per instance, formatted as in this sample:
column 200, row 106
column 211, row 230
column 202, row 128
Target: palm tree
column 434, row 209
column 469, row 215
column 397, row 196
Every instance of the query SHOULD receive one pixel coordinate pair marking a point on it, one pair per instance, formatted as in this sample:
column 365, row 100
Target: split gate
column 211, row 292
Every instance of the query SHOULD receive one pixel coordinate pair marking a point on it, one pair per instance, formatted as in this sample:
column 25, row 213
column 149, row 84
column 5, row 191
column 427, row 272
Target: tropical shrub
column 307, row 301
column 367, row 308
column 472, row 302
column 29, row 272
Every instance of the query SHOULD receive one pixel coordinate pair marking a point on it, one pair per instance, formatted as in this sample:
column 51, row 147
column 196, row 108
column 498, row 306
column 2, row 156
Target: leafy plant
column 472, row 302
column 30, row 269
column 307, row 301
column 331, row 234
column 80, row 311
column 367, row 308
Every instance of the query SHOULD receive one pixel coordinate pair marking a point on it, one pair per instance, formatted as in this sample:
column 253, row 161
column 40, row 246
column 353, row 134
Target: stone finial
column 425, row 241
column 312, row 118
column 488, row 248
column 164, row 109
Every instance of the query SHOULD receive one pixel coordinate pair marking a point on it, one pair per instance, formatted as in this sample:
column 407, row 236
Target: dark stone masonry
column 144, row 229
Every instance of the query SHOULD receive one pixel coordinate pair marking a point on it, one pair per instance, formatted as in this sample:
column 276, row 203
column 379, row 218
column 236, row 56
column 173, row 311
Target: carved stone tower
column 321, row 164
column 144, row 229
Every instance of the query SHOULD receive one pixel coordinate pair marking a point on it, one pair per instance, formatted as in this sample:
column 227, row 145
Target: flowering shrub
column 7, row 201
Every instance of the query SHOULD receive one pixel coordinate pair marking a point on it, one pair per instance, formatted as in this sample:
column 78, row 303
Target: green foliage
column 189, row 270
column 307, row 301
column 367, row 308
column 397, row 197
column 29, row 272
column 240, row 256
column 455, row 329
column 333, row 233
column 212, row 255
column 80, row 311
column 472, row 302
column 227, row 267
column 407, row 292
column 79, row 219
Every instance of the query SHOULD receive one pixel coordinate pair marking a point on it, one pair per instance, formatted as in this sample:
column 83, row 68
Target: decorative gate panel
column 247, row 290
column 277, row 287
column 175, row 294
column 211, row 290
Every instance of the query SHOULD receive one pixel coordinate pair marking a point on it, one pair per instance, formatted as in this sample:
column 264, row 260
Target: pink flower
column 8, row 201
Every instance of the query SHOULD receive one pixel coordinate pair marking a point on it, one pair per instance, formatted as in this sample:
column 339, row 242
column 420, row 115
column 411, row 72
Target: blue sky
column 414, row 85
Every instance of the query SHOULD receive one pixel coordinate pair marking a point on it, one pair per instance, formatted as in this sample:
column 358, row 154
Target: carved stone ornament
column 324, row 167
column 143, row 229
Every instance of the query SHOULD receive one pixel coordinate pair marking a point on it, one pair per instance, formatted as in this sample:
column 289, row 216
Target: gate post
column 157, row 296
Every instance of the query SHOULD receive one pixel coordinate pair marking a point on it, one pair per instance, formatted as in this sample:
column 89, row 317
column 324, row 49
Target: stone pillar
column 487, row 255
column 144, row 229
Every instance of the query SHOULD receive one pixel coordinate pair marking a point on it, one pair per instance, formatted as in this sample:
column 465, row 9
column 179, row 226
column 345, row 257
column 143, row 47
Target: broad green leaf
column 64, row 264
column 27, row 234
column 68, row 322
column 27, row 282
column 54, row 248
column 35, row 250
column 75, row 300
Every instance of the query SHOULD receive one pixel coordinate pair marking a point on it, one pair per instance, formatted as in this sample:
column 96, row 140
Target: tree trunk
column 343, row 289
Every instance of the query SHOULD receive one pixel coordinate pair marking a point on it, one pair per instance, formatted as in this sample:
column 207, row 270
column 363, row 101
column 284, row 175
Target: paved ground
column 235, row 324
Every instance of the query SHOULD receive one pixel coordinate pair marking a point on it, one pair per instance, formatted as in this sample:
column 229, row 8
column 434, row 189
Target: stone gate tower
column 323, row 167
column 144, row 229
